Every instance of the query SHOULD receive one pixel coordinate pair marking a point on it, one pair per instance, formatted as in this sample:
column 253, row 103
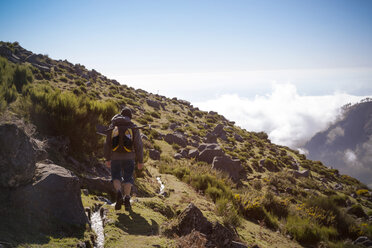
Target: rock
column 207, row 155
column 192, row 219
column 52, row 202
column 231, row 166
column 339, row 186
column 173, row 126
column 217, row 235
column 196, row 138
column 211, row 138
column 303, row 173
column 204, row 146
column 17, row 156
column 154, row 104
column 360, row 240
column 218, row 129
column 184, row 152
column 154, row 154
column 85, row 191
column 176, row 138
column 177, row 156
column 220, row 132
column 235, row 244
column 239, row 138
column 357, row 211
column 194, row 153
column 98, row 184
column 294, row 165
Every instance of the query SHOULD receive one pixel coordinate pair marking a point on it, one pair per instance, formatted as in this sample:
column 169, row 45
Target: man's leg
column 116, row 177
column 127, row 189
column 128, row 182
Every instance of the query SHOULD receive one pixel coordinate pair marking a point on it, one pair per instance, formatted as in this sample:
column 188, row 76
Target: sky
column 283, row 67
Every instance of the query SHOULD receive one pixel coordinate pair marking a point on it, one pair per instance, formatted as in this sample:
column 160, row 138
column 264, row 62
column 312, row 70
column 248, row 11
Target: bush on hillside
column 63, row 113
column 307, row 232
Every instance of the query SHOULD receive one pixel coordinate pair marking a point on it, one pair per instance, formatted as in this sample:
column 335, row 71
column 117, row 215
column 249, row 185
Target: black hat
column 126, row 112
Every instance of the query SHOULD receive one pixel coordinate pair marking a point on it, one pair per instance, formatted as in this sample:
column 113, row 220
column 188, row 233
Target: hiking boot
column 127, row 203
column 119, row 201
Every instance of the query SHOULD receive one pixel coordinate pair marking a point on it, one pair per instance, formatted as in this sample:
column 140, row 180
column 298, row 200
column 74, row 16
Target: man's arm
column 138, row 148
column 107, row 150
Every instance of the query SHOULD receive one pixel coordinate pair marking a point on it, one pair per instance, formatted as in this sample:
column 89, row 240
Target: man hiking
column 122, row 149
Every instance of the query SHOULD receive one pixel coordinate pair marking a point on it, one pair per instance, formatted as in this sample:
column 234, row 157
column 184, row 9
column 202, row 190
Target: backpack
column 122, row 135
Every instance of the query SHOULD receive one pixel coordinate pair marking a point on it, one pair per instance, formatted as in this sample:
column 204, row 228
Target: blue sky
column 249, row 53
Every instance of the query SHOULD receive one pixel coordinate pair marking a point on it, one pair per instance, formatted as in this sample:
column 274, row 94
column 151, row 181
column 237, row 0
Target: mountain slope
column 346, row 145
column 258, row 192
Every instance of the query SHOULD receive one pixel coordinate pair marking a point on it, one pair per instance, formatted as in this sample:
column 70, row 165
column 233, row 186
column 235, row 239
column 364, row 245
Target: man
column 122, row 149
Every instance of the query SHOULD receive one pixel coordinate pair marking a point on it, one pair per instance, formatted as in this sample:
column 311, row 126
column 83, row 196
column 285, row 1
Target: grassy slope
column 191, row 121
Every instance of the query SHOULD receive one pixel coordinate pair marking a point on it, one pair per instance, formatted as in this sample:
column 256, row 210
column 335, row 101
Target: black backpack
column 122, row 135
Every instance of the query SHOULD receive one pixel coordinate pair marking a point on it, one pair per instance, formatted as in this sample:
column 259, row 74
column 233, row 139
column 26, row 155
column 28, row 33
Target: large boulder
column 176, row 138
column 211, row 138
column 220, row 132
column 154, row 104
column 17, row 156
column 194, row 153
column 192, row 220
column 207, row 155
column 52, row 202
column 98, row 184
column 232, row 167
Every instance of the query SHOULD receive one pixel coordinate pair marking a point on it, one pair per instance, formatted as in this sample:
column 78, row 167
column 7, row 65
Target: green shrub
column 62, row 113
column 22, row 76
column 8, row 92
column 226, row 209
column 357, row 210
column 307, row 232
column 273, row 205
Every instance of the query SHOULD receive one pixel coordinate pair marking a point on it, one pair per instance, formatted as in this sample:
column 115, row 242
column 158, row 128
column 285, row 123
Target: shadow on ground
column 134, row 223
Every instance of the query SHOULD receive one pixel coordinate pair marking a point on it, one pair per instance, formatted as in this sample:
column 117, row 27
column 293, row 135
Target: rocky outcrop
column 194, row 153
column 303, row 173
column 210, row 138
column 154, row 104
column 154, row 154
column 192, row 220
column 176, row 138
column 98, row 184
column 232, row 167
column 219, row 131
column 52, row 202
column 17, row 156
column 208, row 155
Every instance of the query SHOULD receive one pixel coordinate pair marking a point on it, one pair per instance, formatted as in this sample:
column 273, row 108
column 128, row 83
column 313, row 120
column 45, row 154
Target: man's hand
column 140, row 166
column 108, row 164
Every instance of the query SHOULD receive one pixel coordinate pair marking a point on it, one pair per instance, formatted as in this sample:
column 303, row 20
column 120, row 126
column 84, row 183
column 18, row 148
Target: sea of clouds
column 288, row 118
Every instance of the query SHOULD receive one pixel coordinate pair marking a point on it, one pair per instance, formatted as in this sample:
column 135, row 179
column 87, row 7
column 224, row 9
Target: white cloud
column 288, row 118
column 334, row 133
column 350, row 156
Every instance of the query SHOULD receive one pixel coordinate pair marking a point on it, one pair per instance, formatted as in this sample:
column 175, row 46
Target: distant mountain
column 347, row 144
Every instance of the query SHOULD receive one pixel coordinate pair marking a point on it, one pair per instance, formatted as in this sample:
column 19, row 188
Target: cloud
column 289, row 118
column 334, row 133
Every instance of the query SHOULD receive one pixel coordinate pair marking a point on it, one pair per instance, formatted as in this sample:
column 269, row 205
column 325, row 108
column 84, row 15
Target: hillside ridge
column 240, row 180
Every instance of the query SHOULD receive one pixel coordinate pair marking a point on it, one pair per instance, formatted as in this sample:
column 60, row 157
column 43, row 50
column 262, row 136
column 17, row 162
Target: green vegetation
column 63, row 113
